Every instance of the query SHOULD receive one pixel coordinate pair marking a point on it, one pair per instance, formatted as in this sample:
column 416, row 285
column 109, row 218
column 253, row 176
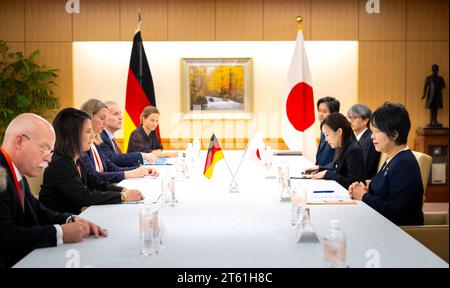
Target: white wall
column 101, row 69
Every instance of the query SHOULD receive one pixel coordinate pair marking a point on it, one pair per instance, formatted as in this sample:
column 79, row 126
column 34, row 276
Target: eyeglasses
column 45, row 152
column 351, row 118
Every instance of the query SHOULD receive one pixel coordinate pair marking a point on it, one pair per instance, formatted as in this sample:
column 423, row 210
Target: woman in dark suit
column 348, row 164
column 144, row 139
column 67, row 187
column 359, row 117
column 95, row 161
column 396, row 191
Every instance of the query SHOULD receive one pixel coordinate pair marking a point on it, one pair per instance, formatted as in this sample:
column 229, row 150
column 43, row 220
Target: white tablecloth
column 211, row 227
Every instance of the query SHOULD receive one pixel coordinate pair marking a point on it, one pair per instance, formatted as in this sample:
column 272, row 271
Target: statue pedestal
column 434, row 142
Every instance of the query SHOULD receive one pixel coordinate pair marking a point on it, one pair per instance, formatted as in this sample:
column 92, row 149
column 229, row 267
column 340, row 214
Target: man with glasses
column 359, row 117
column 25, row 224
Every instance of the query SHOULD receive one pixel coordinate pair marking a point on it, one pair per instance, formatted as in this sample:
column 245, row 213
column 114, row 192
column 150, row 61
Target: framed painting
column 217, row 87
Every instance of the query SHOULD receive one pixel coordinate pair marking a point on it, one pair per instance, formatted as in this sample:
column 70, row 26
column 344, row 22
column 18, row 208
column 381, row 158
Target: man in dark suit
column 359, row 117
column 325, row 106
column 109, row 146
column 25, row 224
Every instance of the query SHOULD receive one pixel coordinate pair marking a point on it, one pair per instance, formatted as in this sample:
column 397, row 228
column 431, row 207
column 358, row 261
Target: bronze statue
column 433, row 92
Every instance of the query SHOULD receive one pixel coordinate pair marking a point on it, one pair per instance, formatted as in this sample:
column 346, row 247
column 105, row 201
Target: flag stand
column 234, row 188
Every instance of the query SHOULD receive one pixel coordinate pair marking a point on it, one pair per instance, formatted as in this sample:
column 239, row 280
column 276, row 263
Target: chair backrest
column 383, row 158
column 424, row 161
column 35, row 184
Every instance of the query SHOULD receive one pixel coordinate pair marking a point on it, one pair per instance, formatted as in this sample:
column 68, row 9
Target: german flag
column 214, row 155
column 140, row 90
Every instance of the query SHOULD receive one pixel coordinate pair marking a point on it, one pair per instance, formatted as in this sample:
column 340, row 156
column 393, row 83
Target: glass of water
column 149, row 231
column 168, row 190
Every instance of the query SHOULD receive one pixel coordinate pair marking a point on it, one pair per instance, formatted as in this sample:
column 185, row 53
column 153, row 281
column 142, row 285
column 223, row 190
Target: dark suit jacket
column 371, row 156
column 325, row 154
column 120, row 159
column 141, row 142
column 396, row 191
column 112, row 172
column 22, row 231
column 349, row 167
column 64, row 190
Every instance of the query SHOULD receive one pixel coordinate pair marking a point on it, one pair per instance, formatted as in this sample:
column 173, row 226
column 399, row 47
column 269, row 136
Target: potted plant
column 25, row 86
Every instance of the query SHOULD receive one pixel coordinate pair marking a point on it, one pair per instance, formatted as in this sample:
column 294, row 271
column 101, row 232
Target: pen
column 323, row 191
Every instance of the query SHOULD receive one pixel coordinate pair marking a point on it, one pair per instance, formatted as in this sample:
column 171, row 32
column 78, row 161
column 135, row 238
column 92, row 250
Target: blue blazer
column 325, row 153
column 371, row 156
column 120, row 159
column 349, row 167
column 396, row 191
column 23, row 230
column 112, row 173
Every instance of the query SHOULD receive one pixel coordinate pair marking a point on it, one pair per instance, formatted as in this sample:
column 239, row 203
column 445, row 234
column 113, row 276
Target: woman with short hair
column 396, row 191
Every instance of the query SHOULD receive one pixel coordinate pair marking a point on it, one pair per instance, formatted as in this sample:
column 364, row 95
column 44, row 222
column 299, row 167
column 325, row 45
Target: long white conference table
column 210, row 227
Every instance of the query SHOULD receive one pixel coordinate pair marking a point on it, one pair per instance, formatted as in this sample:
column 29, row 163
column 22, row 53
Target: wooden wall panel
column 47, row 21
column 16, row 46
column 12, row 20
column 58, row 56
column 420, row 56
column 381, row 72
column 334, row 20
column 427, row 20
column 389, row 24
column 191, row 20
column 279, row 19
column 98, row 20
column 154, row 19
column 239, row 20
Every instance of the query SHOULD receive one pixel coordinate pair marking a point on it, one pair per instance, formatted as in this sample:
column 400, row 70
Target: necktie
column 22, row 190
column 116, row 147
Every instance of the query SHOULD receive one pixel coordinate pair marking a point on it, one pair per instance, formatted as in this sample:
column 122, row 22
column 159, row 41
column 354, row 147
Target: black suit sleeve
column 399, row 199
column 354, row 167
column 44, row 215
column 17, row 240
column 69, row 183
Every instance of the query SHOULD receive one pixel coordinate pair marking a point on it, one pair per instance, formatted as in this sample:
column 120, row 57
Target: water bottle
column 149, row 230
column 168, row 190
column 335, row 246
column 298, row 201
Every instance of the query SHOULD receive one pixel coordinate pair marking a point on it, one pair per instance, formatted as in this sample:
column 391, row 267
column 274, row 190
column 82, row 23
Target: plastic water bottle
column 335, row 246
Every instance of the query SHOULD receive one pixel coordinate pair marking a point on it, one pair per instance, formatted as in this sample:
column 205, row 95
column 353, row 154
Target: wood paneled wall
column 397, row 46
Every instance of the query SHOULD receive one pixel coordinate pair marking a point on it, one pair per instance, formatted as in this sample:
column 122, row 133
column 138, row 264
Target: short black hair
column 392, row 119
column 336, row 121
column 332, row 103
column 68, row 125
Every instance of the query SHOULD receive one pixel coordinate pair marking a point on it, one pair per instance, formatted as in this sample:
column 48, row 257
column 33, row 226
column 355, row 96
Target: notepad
column 328, row 199
column 159, row 161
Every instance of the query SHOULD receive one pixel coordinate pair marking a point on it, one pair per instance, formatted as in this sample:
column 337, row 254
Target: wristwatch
column 122, row 196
